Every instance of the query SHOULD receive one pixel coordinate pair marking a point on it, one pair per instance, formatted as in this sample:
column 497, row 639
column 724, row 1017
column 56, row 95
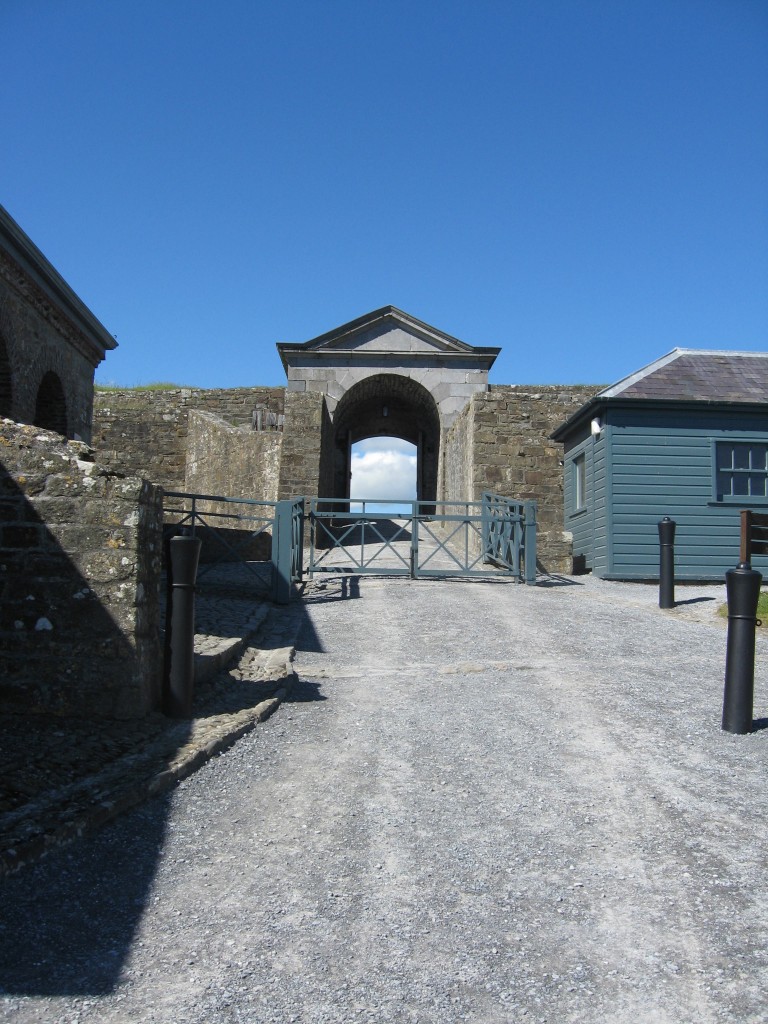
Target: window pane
column 723, row 485
column 740, row 484
column 741, row 456
column 741, row 470
column 579, row 481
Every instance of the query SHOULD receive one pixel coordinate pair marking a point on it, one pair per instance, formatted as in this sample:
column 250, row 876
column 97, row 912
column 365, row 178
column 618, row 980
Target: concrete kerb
column 81, row 808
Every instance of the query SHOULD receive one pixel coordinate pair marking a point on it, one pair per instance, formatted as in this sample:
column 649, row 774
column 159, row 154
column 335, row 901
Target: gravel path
column 485, row 803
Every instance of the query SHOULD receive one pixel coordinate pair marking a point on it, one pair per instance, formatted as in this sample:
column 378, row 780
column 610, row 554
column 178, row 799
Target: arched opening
column 51, row 405
column 6, row 381
column 387, row 405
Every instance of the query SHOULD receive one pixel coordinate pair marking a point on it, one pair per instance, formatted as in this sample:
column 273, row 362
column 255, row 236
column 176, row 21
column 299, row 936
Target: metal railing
column 231, row 527
column 458, row 538
column 495, row 536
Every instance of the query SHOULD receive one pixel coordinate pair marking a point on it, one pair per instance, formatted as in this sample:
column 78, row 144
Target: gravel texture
column 63, row 777
column 484, row 802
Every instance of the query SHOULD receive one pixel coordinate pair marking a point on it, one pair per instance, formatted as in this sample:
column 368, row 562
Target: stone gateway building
column 82, row 475
column 386, row 374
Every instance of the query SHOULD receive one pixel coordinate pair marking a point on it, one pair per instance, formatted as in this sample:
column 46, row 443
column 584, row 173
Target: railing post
column 529, row 541
column 281, row 552
column 179, row 681
column 486, row 527
column 298, row 540
column 667, row 563
column 743, row 591
column 415, row 510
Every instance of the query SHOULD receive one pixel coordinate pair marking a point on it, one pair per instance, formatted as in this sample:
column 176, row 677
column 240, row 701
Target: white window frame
column 725, row 475
column 580, row 482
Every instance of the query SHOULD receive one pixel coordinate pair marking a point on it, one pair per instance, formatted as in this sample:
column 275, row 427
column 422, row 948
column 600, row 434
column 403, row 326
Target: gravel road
column 484, row 803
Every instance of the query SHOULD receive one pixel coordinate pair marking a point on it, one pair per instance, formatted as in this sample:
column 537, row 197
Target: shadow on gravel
column 336, row 588
column 557, row 581
column 304, row 692
column 68, row 921
column 759, row 724
column 695, row 600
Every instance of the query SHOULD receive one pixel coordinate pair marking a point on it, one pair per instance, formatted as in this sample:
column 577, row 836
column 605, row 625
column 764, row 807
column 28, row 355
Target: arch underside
column 6, row 381
column 51, row 405
column 388, row 405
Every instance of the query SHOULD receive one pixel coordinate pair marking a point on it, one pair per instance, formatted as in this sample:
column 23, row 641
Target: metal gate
column 303, row 536
column 492, row 537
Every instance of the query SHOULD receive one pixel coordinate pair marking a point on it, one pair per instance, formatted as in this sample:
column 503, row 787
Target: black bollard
column 180, row 671
column 667, row 563
column 742, row 586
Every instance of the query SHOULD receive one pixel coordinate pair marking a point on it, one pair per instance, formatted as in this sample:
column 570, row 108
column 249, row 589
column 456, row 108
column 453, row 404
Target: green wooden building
column 685, row 437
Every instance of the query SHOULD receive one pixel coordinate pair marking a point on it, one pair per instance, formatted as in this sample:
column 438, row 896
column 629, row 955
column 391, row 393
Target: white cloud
column 383, row 444
column 384, row 468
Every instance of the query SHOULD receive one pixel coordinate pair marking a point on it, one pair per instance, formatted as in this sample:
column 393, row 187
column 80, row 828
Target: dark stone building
column 50, row 342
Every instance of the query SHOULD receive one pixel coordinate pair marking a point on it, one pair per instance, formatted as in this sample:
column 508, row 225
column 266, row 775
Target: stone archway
column 423, row 376
column 51, row 404
column 387, row 405
column 6, row 381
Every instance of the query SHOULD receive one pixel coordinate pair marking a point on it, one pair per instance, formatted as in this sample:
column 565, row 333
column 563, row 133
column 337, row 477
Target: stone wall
column 35, row 340
column 499, row 442
column 304, row 453
column 145, row 432
column 79, row 581
column 512, row 454
column 455, row 480
column 236, row 462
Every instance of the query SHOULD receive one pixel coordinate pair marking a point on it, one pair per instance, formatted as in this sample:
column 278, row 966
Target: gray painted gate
column 459, row 538
column 489, row 538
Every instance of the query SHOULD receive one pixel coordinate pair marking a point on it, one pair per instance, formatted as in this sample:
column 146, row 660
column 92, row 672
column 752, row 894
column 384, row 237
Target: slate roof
column 685, row 375
column 698, row 375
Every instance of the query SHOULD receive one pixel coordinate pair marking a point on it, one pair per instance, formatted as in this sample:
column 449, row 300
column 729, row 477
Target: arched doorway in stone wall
column 6, row 381
column 387, row 405
column 51, row 404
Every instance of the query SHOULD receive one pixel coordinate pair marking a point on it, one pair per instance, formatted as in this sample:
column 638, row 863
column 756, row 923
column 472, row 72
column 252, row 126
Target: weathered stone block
column 69, row 633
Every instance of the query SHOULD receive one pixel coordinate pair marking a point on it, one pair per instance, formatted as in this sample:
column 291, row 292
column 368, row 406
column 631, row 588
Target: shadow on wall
column 69, row 921
column 80, row 553
column 77, row 640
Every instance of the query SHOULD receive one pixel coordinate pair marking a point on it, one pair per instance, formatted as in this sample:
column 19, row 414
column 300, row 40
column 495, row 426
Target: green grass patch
column 762, row 609
column 155, row 386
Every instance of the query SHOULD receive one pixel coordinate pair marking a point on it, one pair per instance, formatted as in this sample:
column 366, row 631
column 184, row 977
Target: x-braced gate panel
column 492, row 537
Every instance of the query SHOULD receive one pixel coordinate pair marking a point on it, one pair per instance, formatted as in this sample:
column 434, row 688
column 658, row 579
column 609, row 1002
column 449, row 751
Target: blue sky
column 583, row 183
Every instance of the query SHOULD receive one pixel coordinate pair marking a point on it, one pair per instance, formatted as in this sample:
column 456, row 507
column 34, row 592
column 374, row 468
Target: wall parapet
column 145, row 431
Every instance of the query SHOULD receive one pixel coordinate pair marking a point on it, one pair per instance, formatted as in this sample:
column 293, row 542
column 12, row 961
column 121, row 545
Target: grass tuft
column 762, row 609
column 154, row 386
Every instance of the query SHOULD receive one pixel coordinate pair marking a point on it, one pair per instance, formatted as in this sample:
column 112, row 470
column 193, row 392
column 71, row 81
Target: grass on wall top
column 155, row 386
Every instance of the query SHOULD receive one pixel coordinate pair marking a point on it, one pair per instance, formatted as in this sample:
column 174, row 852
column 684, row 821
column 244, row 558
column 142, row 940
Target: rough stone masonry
column 79, row 580
column 500, row 441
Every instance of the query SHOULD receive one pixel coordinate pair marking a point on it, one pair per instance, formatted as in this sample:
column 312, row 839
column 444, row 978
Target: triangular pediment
column 386, row 326
column 387, row 331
